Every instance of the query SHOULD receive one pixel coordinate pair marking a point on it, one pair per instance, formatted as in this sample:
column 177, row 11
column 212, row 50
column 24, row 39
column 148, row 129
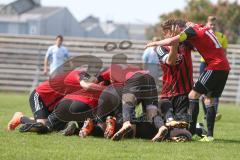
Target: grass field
column 15, row 145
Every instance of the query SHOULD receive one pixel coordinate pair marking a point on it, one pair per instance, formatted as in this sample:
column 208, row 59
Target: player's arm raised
column 177, row 36
column 172, row 56
column 164, row 42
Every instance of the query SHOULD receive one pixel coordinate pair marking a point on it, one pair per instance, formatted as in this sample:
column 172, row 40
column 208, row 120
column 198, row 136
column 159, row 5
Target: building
column 92, row 27
column 29, row 17
column 110, row 29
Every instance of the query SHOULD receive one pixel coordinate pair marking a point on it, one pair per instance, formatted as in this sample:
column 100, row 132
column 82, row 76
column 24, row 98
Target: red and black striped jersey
column 177, row 79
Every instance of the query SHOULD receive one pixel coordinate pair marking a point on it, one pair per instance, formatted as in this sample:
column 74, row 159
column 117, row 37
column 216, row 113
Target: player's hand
column 175, row 30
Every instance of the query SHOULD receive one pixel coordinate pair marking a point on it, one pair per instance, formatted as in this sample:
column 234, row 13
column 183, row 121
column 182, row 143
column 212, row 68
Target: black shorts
column 144, row 88
column 70, row 110
column 180, row 105
column 110, row 102
column 211, row 83
column 38, row 108
column 145, row 130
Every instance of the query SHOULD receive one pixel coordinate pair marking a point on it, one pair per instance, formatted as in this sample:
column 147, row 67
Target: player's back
column 207, row 44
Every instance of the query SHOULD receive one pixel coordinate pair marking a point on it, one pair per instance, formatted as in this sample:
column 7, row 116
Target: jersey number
column 212, row 36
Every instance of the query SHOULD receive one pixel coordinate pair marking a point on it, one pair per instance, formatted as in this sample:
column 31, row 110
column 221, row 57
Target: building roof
column 22, row 6
column 35, row 13
column 89, row 21
column 18, row 7
column 43, row 11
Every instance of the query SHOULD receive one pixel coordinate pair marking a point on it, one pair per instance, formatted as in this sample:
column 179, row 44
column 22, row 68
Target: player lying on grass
column 212, row 81
column 68, row 108
column 45, row 97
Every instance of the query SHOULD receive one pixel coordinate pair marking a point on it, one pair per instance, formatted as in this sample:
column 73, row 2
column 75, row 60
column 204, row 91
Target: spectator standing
column 151, row 62
column 56, row 56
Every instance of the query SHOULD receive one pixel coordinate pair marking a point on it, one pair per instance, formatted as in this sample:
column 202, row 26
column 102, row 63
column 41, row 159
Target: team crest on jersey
column 179, row 59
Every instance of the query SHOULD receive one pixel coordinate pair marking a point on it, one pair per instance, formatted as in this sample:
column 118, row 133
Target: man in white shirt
column 56, row 55
column 151, row 62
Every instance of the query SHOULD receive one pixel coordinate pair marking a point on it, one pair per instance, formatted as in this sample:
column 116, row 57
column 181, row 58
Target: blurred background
column 29, row 27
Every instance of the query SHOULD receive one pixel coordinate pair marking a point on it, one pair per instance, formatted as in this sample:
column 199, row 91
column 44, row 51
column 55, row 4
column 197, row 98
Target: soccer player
column 176, row 64
column 45, row 97
column 212, row 81
column 76, row 106
column 139, row 87
column 211, row 23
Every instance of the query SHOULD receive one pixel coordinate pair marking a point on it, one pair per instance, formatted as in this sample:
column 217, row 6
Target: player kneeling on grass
column 140, row 87
column 211, row 82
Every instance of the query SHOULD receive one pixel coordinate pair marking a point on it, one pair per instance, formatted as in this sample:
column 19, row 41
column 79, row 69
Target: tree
column 228, row 14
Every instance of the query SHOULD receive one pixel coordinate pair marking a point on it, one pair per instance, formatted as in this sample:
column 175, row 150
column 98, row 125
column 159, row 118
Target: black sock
column 204, row 108
column 193, row 112
column 211, row 114
column 25, row 120
column 167, row 110
column 216, row 102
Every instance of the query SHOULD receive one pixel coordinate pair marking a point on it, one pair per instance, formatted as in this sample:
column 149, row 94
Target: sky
column 125, row 11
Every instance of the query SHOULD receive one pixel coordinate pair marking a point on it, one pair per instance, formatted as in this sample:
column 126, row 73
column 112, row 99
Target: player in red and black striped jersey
column 212, row 81
column 177, row 79
column 177, row 76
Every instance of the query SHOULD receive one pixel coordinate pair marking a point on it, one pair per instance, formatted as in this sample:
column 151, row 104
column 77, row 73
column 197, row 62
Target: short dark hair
column 170, row 22
column 211, row 18
column 59, row 36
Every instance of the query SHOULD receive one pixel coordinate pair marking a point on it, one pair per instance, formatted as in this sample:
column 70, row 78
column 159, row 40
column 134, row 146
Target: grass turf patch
column 15, row 145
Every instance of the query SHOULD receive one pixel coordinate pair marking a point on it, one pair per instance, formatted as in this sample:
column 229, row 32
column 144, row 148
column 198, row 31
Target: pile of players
column 104, row 104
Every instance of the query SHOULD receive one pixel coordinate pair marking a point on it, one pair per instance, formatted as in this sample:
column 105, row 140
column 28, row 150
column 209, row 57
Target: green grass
column 15, row 145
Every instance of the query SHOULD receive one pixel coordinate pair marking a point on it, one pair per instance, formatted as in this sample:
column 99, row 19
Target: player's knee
column 208, row 101
column 151, row 111
column 130, row 99
column 194, row 95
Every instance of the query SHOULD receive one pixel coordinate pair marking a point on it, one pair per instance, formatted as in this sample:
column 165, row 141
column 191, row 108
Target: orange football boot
column 87, row 128
column 15, row 121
